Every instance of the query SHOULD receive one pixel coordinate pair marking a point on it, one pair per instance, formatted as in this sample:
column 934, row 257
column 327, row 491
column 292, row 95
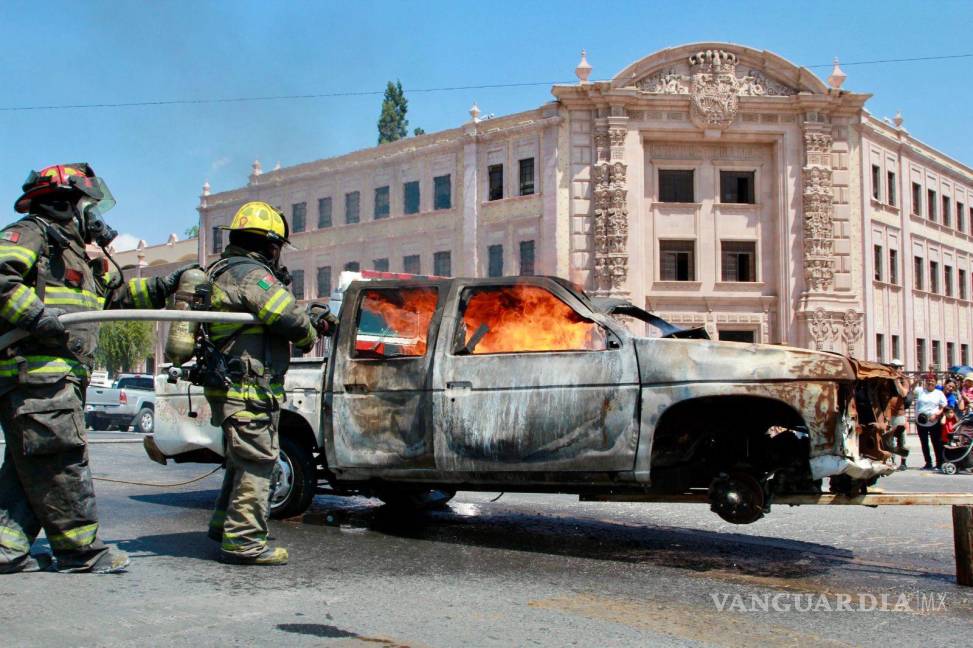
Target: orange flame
column 528, row 318
column 406, row 314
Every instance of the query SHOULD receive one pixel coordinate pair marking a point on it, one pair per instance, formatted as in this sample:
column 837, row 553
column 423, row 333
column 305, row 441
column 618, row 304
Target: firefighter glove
column 171, row 281
column 48, row 328
column 322, row 319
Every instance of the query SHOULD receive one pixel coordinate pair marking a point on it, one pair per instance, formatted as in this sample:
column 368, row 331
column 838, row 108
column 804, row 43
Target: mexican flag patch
column 266, row 282
column 11, row 236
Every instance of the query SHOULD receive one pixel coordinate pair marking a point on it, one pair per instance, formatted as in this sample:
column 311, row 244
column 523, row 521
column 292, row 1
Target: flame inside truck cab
column 523, row 318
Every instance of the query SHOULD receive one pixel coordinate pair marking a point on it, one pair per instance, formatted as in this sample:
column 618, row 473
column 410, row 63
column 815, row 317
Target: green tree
column 192, row 232
column 419, row 131
column 392, row 124
column 122, row 345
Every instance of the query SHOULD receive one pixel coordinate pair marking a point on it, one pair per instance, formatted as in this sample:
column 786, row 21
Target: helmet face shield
column 96, row 189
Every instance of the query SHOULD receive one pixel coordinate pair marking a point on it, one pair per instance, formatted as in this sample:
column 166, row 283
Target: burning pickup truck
column 527, row 384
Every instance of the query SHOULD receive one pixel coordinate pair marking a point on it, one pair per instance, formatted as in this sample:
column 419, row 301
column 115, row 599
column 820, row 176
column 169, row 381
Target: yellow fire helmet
column 260, row 218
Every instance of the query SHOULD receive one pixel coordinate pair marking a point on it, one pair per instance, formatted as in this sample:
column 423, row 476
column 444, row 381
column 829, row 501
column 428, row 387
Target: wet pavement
column 525, row 570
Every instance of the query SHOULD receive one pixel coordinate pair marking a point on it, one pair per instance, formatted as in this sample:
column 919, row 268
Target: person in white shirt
column 930, row 403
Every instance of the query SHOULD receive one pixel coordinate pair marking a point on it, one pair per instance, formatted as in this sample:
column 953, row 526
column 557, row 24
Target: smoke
column 125, row 242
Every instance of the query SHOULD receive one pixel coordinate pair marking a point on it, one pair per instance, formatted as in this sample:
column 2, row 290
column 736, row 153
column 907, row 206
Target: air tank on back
column 181, row 341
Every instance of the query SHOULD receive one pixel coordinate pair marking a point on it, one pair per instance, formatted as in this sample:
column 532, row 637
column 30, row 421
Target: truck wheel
column 294, row 481
column 145, row 420
column 411, row 500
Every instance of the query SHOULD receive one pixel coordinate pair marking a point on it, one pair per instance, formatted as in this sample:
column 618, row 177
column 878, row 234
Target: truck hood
column 667, row 360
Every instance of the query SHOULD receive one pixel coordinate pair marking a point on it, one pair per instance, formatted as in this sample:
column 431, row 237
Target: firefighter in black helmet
column 45, row 480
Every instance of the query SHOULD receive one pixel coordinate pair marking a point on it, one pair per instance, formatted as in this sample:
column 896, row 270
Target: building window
column 917, row 272
column 738, row 260
column 324, row 282
column 896, row 348
column 960, row 221
column 411, row 264
column 676, row 186
column 353, row 266
column 677, row 260
column 324, row 213
column 961, row 277
column 964, row 354
column 947, row 212
column 736, row 336
column 950, row 354
column 442, row 192
column 495, row 175
column 936, row 355
column 894, row 267
column 380, row 265
column 352, row 202
column 920, row 354
column 527, row 177
column 217, row 240
column 934, row 277
column 931, row 204
column 891, row 188
column 526, row 258
column 495, row 261
column 880, row 347
column 381, row 202
column 877, row 259
column 876, row 182
column 410, row 197
column 298, row 217
column 737, row 187
column 297, row 283
column 948, row 280
column 442, row 264
column 916, row 199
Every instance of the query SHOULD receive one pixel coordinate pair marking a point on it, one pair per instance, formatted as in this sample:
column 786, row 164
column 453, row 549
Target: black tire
column 296, row 467
column 144, row 421
column 402, row 499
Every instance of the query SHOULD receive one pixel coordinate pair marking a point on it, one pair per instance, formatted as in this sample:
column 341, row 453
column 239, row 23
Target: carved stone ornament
column 836, row 331
column 713, row 86
column 818, row 203
column 610, row 227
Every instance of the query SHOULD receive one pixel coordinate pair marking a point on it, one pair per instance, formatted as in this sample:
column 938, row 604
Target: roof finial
column 475, row 112
column 898, row 120
column 583, row 71
column 837, row 76
column 255, row 168
column 206, row 188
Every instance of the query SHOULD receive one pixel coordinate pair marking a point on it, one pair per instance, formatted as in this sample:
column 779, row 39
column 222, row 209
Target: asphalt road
column 526, row 570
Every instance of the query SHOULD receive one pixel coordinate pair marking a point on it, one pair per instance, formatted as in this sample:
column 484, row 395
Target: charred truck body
column 527, row 384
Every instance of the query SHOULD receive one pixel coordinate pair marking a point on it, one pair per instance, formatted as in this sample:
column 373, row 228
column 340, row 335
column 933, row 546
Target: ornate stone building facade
column 715, row 184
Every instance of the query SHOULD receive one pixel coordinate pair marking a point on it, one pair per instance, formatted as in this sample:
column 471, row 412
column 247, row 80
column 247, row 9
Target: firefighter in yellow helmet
column 249, row 278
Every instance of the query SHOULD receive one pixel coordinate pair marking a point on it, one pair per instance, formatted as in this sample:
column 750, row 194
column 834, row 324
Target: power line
column 363, row 93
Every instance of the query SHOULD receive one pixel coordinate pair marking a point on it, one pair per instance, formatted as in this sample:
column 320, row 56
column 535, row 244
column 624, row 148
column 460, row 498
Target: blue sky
column 156, row 158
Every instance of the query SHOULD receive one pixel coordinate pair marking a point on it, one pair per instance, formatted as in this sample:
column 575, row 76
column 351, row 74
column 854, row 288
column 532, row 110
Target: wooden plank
column 830, row 499
column 963, row 542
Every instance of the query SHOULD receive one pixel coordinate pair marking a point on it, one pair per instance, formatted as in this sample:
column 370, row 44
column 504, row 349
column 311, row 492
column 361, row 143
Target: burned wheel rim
column 738, row 498
column 282, row 481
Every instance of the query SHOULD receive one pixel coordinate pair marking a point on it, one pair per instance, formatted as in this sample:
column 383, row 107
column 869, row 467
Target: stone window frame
column 739, row 167
column 694, row 265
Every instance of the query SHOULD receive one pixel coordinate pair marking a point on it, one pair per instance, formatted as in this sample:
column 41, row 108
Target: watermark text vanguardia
column 912, row 602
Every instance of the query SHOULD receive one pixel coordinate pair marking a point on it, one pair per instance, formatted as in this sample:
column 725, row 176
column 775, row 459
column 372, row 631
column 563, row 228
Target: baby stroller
column 957, row 448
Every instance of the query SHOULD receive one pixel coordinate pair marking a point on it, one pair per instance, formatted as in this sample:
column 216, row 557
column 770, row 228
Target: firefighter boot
column 271, row 556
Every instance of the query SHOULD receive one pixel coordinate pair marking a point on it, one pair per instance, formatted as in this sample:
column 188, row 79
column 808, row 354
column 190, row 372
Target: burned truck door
column 380, row 399
column 525, row 381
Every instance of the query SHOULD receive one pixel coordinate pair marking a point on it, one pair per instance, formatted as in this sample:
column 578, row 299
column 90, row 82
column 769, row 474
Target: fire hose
column 139, row 315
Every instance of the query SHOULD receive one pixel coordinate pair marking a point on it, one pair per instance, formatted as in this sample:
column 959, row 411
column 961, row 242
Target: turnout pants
column 251, row 444
column 45, row 480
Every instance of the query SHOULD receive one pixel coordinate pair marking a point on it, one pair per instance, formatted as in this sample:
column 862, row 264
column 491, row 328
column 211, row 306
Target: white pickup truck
column 130, row 401
column 527, row 384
